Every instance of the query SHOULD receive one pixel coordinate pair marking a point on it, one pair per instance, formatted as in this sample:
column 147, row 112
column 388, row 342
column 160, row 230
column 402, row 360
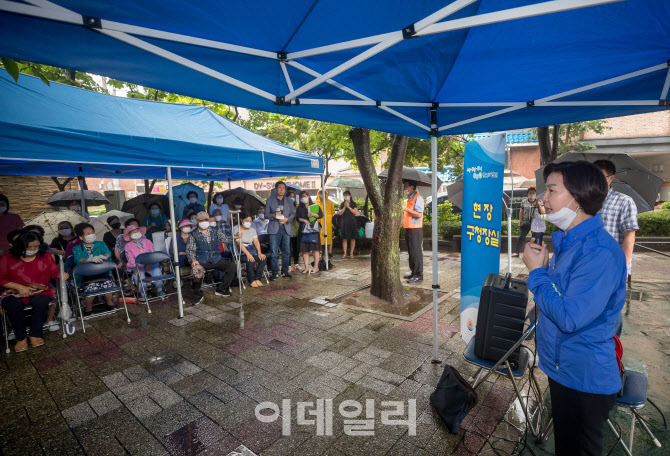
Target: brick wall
column 650, row 124
column 525, row 159
column 28, row 195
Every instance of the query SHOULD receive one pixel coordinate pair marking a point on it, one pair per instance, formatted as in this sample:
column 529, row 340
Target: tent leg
column 325, row 221
column 175, row 249
column 509, row 212
column 433, row 156
column 81, row 187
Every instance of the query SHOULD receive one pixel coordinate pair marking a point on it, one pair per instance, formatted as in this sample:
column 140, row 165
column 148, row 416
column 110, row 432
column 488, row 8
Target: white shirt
column 223, row 208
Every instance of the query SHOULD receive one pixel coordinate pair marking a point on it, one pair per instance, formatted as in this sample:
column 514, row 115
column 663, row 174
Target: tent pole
column 325, row 220
column 433, row 156
column 81, row 187
column 509, row 209
column 175, row 249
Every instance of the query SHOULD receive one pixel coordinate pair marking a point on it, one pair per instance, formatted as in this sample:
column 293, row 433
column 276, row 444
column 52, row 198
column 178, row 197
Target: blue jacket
column 580, row 295
column 270, row 210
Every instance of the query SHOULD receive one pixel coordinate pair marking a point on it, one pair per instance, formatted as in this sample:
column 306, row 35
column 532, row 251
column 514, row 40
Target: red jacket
column 41, row 270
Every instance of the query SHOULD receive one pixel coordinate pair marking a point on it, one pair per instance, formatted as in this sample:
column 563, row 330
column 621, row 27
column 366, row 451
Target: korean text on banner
column 480, row 232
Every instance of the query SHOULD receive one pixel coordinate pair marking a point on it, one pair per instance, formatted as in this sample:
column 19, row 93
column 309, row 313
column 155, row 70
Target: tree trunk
column 209, row 193
column 62, row 185
column 386, row 202
column 544, row 141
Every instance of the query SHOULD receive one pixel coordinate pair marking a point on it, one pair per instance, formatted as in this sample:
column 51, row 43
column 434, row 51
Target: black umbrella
column 250, row 199
column 421, row 179
column 63, row 199
column 139, row 206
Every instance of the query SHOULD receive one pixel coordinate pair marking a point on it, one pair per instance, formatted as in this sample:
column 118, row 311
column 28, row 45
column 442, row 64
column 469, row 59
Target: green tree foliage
column 48, row 73
column 559, row 139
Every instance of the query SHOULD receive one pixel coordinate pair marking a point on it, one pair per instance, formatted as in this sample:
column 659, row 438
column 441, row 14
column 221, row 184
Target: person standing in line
column 280, row 213
column 619, row 214
column 531, row 208
column 413, row 225
column 348, row 213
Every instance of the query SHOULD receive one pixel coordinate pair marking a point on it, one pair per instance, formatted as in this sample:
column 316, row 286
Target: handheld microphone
column 538, row 227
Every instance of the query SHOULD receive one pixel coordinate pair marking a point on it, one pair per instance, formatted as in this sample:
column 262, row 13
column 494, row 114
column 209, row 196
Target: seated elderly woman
column 156, row 220
column 92, row 251
column 185, row 228
column 137, row 244
column 247, row 239
column 39, row 230
column 25, row 272
column 65, row 235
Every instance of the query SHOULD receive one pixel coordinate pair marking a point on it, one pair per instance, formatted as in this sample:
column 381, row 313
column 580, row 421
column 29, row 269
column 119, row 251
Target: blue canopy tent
column 421, row 68
column 66, row 131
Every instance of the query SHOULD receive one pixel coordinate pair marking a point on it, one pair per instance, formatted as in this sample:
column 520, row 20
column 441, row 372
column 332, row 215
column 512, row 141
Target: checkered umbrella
column 50, row 220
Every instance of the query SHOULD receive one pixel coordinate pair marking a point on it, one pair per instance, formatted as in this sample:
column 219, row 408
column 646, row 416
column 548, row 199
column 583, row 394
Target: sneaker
column 11, row 336
column 197, row 299
column 287, row 275
column 408, row 276
column 416, row 278
column 52, row 326
column 272, row 277
column 224, row 293
column 161, row 293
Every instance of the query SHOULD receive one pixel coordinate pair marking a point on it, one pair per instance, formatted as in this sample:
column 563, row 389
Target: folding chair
column 634, row 398
column 160, row 258
column 503, row 367
column 93, row 269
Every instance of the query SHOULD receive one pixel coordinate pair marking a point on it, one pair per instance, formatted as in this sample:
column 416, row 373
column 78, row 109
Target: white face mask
column 238, row 206
column 30, row 253
column 347, row 197
column 193, row 200
column 218, row 218
column 3, row 209
column 136, row 236
column 203, row 225
column 186, row 230
column 292, row 199
column 246, row 224
column 406, row 192
column 261, row 216
column 564, row 217
column 531, row 197
column 75, row 208
column 219, row 200
column 304, row 200
column 89, row 238
column 212, row 224
column 65, row 232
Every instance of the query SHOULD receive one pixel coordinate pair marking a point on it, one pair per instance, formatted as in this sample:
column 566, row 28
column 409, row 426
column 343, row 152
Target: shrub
column 655, row 223
column 666, row 206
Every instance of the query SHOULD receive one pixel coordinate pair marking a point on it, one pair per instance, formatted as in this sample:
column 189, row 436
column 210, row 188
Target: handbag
column 453, row 398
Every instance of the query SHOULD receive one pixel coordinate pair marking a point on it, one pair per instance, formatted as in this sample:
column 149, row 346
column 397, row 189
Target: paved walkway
column 163, row 385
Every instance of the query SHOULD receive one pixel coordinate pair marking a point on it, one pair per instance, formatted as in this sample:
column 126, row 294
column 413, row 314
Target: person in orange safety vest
column 413, row 225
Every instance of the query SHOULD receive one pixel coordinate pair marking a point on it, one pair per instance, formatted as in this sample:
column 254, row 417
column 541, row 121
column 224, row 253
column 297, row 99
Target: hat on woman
column 184, row 223
column 126, row 232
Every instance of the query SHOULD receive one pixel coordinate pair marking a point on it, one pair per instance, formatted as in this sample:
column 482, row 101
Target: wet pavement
column 284, row 370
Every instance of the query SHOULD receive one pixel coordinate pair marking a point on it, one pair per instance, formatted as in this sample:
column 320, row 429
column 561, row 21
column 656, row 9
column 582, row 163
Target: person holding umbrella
column 413, row 225
column 156, row 220
column 193, row 205
column 619, row 214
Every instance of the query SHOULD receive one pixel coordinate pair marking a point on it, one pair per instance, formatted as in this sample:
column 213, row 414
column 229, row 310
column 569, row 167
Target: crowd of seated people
column 29, row 266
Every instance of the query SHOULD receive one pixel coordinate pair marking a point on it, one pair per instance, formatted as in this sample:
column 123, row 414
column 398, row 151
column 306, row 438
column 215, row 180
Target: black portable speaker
column 501, row 317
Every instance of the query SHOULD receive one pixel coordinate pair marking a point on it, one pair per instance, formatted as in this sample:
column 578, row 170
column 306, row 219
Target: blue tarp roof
column 53, row 130
column 487, row 74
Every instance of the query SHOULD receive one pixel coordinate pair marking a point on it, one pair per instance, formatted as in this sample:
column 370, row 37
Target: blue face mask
column 155, row 212
column 193, row 222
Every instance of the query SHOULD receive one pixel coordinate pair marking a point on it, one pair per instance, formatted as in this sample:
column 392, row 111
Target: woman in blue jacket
column 580, row 293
